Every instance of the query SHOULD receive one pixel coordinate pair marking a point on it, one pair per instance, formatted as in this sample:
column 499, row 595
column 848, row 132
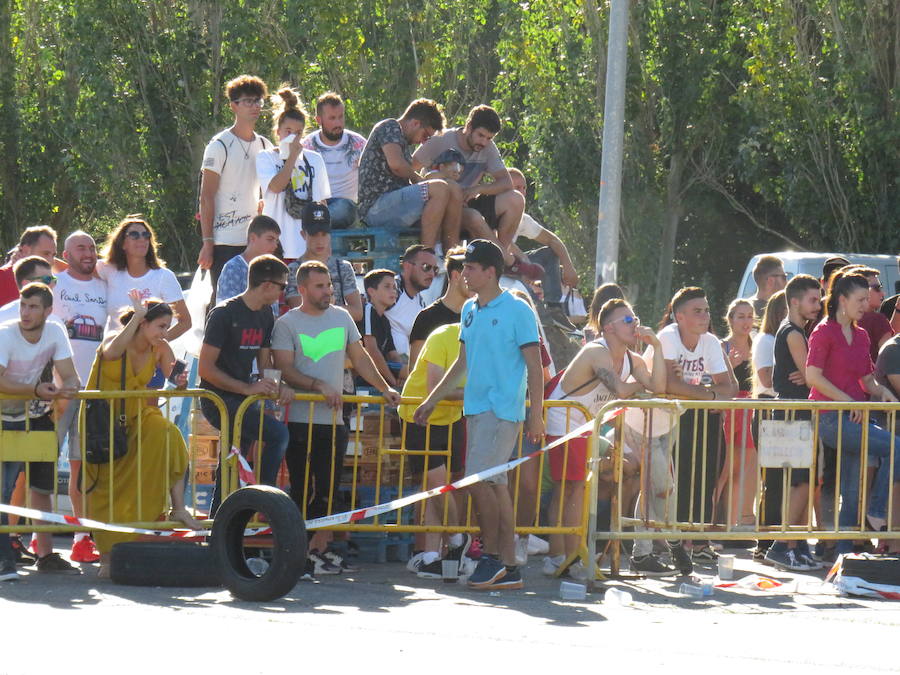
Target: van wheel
column 170, row 563
column 281, row 572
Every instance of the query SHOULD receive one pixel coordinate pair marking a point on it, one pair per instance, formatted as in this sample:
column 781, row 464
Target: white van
column 811, row 263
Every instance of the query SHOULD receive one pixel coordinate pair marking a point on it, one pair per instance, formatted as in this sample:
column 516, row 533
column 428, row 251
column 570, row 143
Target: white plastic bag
column 197, row 299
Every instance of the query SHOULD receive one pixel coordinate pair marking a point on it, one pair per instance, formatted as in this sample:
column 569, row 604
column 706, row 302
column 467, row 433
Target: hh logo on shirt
column 251, row 337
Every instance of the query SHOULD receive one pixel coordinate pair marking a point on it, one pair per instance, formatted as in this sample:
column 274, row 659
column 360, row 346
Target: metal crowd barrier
column 44, row 446
column 687, row 437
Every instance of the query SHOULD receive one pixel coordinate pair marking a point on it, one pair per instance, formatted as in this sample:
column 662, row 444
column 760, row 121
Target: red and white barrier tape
column 316, row 523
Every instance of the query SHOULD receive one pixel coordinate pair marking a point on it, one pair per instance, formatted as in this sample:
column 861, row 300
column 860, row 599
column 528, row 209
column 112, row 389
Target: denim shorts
column 398, row 208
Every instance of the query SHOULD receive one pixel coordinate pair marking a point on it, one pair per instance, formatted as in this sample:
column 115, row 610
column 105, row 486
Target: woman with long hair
column 739, row 472
column 763, row 351
column 130, row 261
column 839, row 368
column 151, row 473
column 290, row 175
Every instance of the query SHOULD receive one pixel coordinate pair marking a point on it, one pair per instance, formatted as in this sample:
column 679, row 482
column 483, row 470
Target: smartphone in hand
column 177, row 369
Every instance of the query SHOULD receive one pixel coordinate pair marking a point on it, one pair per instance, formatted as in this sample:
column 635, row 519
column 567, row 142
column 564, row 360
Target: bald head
column 518, row 180
column 81, row 254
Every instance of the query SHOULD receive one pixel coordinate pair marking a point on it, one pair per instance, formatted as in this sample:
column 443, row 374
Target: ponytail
column 842, row 284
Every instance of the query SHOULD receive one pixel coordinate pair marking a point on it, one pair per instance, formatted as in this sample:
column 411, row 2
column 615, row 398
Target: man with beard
column 418, row 267
column 341, row 150
column 80, row 302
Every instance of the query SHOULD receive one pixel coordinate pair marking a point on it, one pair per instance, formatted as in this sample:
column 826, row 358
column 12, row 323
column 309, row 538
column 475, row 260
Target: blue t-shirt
column 233, row 281
column 494, row 336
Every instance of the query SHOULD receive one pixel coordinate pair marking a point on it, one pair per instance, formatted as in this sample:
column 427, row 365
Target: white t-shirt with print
column 237, row 198
column 268, row 164
column 342, row 161
column 26, row 362
column 697, row 365
column 159, row 283
column 402, row 315
column 81, row 306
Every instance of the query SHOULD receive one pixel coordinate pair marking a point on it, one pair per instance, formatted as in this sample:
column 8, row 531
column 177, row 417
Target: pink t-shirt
column 842, row 364
column 877, row 326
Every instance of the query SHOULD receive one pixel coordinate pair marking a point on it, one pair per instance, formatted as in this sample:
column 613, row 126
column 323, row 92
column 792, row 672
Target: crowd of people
column 287, row 317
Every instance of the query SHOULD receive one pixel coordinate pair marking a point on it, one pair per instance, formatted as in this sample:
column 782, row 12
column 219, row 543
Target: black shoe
column 651, row 566
column 681, row 559
column 23, row 555
column 8, row 571
column 511, row 581
column 433, row 570
column 457, row 552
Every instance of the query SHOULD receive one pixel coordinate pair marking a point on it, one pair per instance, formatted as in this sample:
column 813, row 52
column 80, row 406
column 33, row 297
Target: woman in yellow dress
column 143, row 480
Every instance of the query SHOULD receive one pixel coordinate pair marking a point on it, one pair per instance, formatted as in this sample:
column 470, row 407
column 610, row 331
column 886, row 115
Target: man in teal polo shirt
column 500, row 341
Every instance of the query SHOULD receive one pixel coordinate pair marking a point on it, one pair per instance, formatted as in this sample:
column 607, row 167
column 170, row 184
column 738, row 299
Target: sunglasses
column 280, row 284
column 428, row 267
column 627, row 320
column 45, row 279
column 138, row 234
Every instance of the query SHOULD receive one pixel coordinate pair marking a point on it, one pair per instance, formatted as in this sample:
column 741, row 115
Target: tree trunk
column 10, row 199
column 674, row 209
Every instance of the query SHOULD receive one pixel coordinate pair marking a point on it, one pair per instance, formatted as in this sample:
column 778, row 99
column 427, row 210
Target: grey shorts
column 489, row 443
column 67, row 429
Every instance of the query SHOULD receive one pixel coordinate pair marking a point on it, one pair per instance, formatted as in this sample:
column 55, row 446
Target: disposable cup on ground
column 449, row 570
column 572, row 591
column 691, row 590
column 708, row 587
column 726, row 566
column 615, row 597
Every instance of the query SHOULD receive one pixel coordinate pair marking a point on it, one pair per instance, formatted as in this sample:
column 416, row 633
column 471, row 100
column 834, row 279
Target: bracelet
column 209, row 239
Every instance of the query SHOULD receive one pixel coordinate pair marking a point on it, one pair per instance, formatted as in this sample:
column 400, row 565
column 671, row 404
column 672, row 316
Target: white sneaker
column 413, row 563
column 466, row 566
column 578, row 571
column 521, row 550
column 537, row 546
column 551, row 564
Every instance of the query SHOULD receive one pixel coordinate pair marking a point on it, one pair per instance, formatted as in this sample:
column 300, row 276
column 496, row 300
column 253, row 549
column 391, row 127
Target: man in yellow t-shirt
column 446, row 431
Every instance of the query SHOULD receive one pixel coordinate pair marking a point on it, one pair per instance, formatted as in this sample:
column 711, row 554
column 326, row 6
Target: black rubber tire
column 288, row 550
column 170, row 563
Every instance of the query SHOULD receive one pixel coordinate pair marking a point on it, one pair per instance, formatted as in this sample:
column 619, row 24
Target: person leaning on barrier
column 696, row 368
column 239, row 335
column 887, row 373
column 31, row 349
column 310, row 344
column 839, row 368
column 789, row 382
column 152, row 471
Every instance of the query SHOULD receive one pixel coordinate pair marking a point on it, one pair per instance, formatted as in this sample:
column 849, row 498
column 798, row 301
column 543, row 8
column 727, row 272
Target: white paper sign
column 785, row 443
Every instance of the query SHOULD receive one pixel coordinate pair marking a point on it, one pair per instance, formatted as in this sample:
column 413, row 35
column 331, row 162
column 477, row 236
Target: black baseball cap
column 316, row 218
column 485, row 253
column 832, row 265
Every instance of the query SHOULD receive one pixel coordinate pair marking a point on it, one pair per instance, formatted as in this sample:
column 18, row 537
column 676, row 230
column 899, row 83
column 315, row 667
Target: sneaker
column 551, row 564
column 787, row 560
column 809, row 561
column 521, row 550
column 651, row 566
column 681, row 559
column 537, row 546
column 759, row 555
column 338, row 560
column 576, row 571
column 529, row 270
column 323, row 566
column 510, row 581
column 488, row 571
column 458, row 553
column 413, row 563
column 52, row 563
column 8, row 571
column 84, row 551
column 467, row 566
column 705, row 552
column 433, row 570
column 21, row 552
column 309, row 571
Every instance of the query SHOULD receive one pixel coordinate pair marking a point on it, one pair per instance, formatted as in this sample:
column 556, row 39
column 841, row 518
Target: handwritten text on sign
column 785, row 443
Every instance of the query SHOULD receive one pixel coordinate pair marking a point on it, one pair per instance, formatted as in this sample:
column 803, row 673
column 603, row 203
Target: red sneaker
column 84, row 551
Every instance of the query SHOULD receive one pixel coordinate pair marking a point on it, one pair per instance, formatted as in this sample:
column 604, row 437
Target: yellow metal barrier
column 681, row 430
column 43, row 446
column 376, row 469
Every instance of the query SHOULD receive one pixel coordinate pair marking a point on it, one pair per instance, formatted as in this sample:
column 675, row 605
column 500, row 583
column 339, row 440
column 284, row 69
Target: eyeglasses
column 138, row 234
column 280, row 284
column 45, row 279
column 627, row 320
column 428, row 267
column 250, row 102
column 876, row 287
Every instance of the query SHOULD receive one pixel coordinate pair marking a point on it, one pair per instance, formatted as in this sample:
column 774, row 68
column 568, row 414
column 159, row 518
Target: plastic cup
column 272, row 374
column 449, row 571
column 572, row 591
column 726, row 566
column 691, row 590
column 617, row 598
column 708, row 587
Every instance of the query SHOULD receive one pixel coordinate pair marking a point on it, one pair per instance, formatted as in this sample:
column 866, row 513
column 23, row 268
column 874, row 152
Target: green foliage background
column 751, row 125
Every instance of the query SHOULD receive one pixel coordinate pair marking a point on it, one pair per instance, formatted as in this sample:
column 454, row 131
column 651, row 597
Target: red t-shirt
column 8, row 289
column 842, row 364
column 877, row 327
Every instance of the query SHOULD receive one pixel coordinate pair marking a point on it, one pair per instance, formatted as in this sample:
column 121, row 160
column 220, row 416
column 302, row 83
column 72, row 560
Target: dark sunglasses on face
column 280, row 284
column 137, row 234
column 428, row 267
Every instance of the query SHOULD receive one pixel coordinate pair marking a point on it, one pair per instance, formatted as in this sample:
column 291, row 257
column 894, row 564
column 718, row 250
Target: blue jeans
column 851, row 449
column 398, row 208
column 274, row 436
column 342, row 211
column 552, row 283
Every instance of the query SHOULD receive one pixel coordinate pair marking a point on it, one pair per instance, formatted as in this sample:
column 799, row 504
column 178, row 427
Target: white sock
column 456, row 540
column 430, row 556
column 79, row 536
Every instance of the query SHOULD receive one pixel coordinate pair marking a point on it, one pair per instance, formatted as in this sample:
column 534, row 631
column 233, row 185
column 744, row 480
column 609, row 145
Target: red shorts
column 576, row 464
